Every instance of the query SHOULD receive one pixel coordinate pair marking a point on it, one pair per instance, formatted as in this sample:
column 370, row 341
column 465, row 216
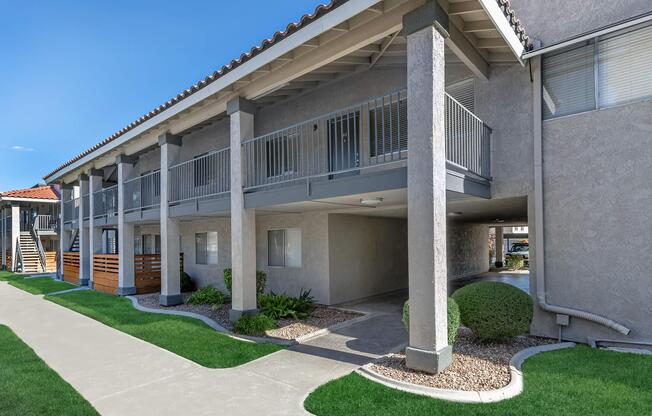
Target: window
column 204, row 169
column 388, row 126
column 343, row 141
column 284, row 247
column 281, row 154
column 138, row 245
column 206, row 247
column 606, row 71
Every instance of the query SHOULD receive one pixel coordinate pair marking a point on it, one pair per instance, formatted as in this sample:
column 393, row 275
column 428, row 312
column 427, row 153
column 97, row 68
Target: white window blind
column 206, row 248
column 625, row 67
column 568, row 82
column 284, row 247
column 464, row 93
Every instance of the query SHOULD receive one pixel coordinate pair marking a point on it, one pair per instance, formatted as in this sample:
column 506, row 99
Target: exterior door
column 344, row 142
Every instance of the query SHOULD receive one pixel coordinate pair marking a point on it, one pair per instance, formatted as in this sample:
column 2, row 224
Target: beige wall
column 467, row 247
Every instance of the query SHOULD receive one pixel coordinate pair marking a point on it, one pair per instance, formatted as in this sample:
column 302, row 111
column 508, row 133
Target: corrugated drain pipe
column 538, row 217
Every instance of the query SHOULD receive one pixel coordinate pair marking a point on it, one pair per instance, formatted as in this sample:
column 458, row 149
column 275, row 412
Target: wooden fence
column 147, row 271
column 9, row 264
column 71, row 267
column 105, row 273
column 51, row 261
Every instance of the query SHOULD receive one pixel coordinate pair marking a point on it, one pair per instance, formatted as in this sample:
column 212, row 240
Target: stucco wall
column 206, row 274
column 313, row 273
column 368, row 256
column 597, row 224
column 467, row 249
column 552, row 21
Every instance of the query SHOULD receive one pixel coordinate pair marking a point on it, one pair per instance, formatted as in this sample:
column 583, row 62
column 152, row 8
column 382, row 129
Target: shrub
column 284, row 306
column 254, row 324
column 515, row 262
column 494, row 310
column 207, row 296
column 453, row 319
column 261, row 280
column 187, row 285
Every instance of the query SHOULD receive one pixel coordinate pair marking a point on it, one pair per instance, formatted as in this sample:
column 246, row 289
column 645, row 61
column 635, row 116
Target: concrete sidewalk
column 122, row 375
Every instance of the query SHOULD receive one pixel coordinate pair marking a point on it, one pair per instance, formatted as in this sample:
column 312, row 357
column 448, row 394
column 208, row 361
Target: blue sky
column 74, row 72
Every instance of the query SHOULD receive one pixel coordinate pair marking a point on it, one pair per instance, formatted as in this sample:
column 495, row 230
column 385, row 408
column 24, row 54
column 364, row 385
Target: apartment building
column 369, row 148
column 29, row 233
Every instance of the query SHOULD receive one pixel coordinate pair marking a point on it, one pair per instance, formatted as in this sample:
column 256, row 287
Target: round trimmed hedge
column 494, row 310
column 453, row 319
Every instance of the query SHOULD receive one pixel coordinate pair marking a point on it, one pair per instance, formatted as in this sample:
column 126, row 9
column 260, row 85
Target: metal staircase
column 31, row 258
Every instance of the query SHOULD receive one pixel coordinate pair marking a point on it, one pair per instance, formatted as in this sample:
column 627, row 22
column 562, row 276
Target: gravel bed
column 322, row 316
column 476, row 366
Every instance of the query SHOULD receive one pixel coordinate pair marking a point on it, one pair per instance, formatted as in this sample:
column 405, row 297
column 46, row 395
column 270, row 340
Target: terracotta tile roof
column 305, row 20
column 515, row 23
column 38, row 192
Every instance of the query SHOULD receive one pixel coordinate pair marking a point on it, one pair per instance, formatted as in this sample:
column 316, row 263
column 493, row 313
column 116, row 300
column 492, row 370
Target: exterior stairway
column 31, row 258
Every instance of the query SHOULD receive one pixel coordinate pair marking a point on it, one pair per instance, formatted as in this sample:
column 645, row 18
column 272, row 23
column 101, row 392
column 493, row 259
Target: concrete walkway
column 122, row 375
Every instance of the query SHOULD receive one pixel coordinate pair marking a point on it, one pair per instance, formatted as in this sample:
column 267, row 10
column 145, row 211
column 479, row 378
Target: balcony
column 71, row 210
column 143, row 196
column 105, row 206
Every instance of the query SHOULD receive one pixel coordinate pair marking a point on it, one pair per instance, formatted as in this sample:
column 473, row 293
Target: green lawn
column 9, row 276
column 187, row 337
column 578, row 381
column 29, row 387
column 41, row 285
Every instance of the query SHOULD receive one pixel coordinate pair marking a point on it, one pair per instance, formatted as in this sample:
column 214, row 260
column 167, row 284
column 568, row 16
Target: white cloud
column 22, row 148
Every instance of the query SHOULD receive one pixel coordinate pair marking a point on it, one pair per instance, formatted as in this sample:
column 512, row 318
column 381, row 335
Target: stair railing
column 19, row 256
column 39, row 246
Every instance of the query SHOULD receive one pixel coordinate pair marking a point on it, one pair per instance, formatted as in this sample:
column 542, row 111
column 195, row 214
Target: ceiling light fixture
column 372, row 202
column 455, row 213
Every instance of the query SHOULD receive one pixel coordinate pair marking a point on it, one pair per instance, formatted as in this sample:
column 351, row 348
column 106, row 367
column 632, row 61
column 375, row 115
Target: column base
column 429, row 361
column 83, row 282
column 234, row 315
column 170, row 300
column 498, row 264
column 126, row 291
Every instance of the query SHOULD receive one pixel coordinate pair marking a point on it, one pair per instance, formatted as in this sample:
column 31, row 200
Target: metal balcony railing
column 205, row 176
column 45, row 223
column 144, row 192
column 370, row 134
column 71, row 210
column 86, row 206
column 105, row 202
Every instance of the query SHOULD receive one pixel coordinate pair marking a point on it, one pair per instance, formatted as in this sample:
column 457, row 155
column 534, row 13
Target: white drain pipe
column 538, row 216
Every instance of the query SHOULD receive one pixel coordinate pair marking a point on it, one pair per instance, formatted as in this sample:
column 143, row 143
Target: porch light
column 372, row 202
column 455, row 213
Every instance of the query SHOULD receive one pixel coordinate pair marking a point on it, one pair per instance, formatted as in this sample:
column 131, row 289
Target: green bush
column 254, row 324
column 207, row 296
column 284, row 306
column 261, row 280
column 494, row 310
column 515, row 262
column 187, row 285
column 453, row 319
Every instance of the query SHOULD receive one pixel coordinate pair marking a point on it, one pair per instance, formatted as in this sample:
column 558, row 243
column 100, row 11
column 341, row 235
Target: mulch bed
column 476, row 366
column 289, row 329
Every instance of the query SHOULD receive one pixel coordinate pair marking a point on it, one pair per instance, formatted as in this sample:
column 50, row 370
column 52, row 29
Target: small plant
column 187, row 285
column 284, row 306
column 254, row 324
column 515, row 262
column 494, row 310
column 453, row 319
column 261, row 280
column 207, row 296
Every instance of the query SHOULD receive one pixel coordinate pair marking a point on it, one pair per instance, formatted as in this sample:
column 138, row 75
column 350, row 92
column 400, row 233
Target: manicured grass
column 41, row 285
column 578, row 381
column 9, row 276
column 29, row 387
column 187, row 337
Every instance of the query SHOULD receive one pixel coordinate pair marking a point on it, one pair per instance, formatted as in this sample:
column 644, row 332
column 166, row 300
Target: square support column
column 95, row 234
column 126, row 276
column 15, row 233
column 499, row 247
column 243, row 221
column 84, row 246
column 428, row 348
column 64, row 236
column 170, row 250
column 3, row 237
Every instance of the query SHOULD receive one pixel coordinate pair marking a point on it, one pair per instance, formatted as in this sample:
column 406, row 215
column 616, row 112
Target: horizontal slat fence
column 71, row 267
column 105, row 273
column 147, row 270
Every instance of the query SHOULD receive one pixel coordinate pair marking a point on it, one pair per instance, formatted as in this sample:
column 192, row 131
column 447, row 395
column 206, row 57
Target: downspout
column 538, row 218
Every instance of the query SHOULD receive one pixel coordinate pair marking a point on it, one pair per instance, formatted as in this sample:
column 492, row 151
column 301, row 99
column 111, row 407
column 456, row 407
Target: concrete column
column 243, row 221
column 126, row 277
column 84, row 247
column 170, row 250
column 95, row 233
column 64, row 235
column 3, row 240
column 15, row 233
column 499, row 246
column 428, row 348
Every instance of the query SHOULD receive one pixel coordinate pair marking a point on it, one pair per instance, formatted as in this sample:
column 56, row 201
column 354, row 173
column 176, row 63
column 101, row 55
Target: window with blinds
column 388, row 127
column 464, row 93
column 607, row 71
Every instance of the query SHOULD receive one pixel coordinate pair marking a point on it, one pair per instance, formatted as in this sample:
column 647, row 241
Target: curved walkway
column 122, row 375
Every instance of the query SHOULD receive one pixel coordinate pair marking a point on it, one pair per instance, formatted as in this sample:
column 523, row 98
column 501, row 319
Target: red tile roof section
column 39, row 192
column 305, row 20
